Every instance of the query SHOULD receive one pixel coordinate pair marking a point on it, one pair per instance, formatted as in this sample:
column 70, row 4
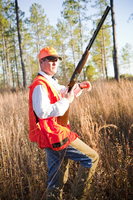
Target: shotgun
column 64, row 119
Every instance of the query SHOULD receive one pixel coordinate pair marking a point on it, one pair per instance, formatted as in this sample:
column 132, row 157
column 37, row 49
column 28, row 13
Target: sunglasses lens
column 55, row 60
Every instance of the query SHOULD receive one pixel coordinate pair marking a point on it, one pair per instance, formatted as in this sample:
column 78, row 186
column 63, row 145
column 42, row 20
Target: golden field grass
column 103, row 118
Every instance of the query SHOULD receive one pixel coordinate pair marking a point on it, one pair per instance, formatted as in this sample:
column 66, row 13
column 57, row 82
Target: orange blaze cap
column 48, row 51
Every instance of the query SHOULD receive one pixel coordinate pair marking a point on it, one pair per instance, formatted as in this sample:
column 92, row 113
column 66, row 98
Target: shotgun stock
column 63, row 120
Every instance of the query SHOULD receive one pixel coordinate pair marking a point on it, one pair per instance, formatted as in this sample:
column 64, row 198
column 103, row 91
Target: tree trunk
column 15, row 59
column 13, row 78
column 81, row 41
column 20, row 46
column 9, row 68
column 115, row 57
column 64, row 61
column 102, row 58
column 5, row 58
column 38, row 45
column 73, row 48
column 104, row 51
column 3, row 72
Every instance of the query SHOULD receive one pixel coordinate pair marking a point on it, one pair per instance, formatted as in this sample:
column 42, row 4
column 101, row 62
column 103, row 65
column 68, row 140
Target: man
column 47, row 102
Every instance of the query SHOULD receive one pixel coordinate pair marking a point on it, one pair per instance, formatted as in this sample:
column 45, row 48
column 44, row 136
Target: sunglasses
column 50, row 59
column 55, row 60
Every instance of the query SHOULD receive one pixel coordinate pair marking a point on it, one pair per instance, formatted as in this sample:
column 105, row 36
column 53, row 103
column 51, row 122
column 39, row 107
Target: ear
column 40, row 61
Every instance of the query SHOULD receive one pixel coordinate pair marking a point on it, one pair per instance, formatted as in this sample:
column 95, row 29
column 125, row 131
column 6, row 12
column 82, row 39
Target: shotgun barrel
column 98, row 28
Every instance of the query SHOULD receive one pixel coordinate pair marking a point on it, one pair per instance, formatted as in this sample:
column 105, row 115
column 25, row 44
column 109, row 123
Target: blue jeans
column 57, row 162
column 54, row 161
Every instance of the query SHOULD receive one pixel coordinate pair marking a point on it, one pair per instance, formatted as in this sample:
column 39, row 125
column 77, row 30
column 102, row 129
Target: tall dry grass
column 102, row 118
column 23, row 171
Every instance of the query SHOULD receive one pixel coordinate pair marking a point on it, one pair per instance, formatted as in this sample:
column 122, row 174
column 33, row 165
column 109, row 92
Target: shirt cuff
column 77, row 91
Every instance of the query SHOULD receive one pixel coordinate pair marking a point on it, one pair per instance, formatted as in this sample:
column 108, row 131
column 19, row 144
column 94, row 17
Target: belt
column 60, row 144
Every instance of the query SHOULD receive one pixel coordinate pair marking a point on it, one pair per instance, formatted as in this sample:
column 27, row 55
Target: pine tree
column 80, row 7
column 101, row 51
column 126, row 56
column 39, row 27
column 12, row 44
column 20, row 45
column 4, row 6
column 91, row 72
column 71, row 17
column 115, row 56
column 61, row 37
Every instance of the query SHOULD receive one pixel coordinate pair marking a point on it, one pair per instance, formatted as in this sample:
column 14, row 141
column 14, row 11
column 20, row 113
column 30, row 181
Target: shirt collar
column 52, row 81
column 48, row 77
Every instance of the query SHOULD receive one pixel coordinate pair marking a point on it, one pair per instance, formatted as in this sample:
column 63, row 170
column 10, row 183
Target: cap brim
column 53, row 57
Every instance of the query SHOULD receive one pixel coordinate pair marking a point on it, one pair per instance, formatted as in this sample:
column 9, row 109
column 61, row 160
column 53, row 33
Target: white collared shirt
column 41, row 102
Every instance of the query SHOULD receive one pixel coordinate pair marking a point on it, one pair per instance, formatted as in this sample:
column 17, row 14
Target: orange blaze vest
column 47, row 132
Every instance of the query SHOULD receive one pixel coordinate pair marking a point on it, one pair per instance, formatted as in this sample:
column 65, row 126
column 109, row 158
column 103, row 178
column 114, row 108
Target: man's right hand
column 70, row 95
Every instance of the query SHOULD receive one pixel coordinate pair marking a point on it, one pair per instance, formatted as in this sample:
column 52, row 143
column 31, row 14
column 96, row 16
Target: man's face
column 49, row 67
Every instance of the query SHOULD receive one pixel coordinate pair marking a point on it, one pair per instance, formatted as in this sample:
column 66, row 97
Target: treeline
column 19, row 61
